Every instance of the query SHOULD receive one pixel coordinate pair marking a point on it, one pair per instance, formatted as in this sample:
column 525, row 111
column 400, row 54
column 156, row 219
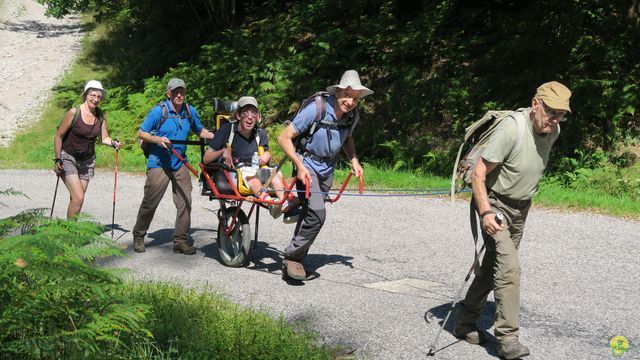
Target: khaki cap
column 554, row 95
column 247, row 100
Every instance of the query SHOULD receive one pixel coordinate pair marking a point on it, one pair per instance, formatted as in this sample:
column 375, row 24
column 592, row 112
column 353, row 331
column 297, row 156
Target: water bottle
column 499, row 218
column 255, row 161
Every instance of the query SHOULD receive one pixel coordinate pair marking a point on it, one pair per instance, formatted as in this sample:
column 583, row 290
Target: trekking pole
column 115, row 181
column 476, row 261
column 55, row 193
column 434, row 343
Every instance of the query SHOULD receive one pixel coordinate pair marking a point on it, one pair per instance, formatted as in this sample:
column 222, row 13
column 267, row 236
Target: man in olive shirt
column 504, row 182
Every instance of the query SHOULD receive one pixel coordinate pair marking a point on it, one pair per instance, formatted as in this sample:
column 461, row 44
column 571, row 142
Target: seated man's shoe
column 183, row 248
column 470, row 333
column 138, row 245
column 295, row 270
column 511, row 348
column 275, row 210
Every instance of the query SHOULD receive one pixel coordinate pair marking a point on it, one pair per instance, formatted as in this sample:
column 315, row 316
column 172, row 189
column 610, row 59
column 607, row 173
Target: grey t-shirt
column 522, row 166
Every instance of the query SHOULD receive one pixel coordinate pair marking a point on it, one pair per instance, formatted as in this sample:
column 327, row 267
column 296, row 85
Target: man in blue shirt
column 171, row 119
column 316, row 163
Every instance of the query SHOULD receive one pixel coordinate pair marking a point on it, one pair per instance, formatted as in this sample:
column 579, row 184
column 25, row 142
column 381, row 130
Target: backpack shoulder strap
column 76, row 116
column 188, row 110
column 232, row 133
column 163, row 117
column 257, row 130
column 520, row 126
column 321, row 110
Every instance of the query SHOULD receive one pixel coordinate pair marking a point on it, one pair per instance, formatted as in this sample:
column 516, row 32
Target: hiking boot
column 511, row 348
column 295, row 270
column 138, row 245
column 184, row 248
column 275, row 210
column 470, row 333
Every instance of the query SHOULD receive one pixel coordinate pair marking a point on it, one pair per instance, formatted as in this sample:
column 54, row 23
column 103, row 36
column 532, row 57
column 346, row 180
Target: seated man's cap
column 176, row 83
column 554, row 95
column 247, row 100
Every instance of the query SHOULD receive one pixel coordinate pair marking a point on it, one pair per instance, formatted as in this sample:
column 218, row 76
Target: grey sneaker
column 275, row 210
column 138, row 245
column 511, row 348
column 470, row 333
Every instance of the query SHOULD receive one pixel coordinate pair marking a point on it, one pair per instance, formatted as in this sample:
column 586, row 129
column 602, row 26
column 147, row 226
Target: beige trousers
column 499, row 271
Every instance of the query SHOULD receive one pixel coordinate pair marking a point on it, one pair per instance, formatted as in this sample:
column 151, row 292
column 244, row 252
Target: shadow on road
column 437, row 315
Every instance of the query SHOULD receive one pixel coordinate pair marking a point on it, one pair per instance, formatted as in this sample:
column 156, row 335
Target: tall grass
column 202, row 325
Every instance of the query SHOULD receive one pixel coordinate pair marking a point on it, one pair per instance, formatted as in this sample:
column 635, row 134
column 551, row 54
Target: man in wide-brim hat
column 333, row 116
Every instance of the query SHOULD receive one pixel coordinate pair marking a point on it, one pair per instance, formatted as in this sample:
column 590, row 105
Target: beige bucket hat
column 351, row 79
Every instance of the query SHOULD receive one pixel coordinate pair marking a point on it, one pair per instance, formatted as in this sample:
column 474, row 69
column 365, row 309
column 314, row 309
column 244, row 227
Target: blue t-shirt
column 175, row 127
column 325, row 142
column 242, row 148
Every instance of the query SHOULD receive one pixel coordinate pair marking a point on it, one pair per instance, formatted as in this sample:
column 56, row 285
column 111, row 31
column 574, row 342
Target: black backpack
column 145, row 146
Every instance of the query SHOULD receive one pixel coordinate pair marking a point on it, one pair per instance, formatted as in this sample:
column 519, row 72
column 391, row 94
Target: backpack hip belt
column 318, row 158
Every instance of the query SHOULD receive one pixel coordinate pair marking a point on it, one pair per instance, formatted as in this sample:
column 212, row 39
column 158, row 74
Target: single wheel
column 234, row 248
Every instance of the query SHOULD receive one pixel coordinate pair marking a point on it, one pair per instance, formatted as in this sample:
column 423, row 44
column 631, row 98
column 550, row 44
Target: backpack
column 475, row 140
column 320, row 99
column 146, row 146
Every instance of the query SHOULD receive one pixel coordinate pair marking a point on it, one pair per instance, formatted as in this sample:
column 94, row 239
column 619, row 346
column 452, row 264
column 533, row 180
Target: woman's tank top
column 81, row 138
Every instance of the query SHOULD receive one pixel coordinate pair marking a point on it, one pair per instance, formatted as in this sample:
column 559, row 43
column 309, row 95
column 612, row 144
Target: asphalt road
column 387, row 269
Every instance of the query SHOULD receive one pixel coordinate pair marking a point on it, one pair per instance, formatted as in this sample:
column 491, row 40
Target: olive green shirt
column 521, row 166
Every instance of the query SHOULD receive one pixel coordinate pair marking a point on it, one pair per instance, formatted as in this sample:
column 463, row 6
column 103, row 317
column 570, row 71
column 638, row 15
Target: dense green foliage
column 435, row 65
column 57, row 304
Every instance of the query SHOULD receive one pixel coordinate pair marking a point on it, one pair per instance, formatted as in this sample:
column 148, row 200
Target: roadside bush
column 55, row 302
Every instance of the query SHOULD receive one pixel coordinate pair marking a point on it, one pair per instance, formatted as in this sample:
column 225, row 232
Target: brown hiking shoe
column 138, row 245
column 470, row 333
column 183, row 247
column 295, row 270
column 511, row 348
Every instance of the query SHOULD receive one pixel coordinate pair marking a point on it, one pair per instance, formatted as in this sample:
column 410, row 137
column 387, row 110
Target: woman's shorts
column 84, row 168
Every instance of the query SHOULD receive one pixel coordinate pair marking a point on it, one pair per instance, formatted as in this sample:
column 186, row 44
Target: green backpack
column 475, row 140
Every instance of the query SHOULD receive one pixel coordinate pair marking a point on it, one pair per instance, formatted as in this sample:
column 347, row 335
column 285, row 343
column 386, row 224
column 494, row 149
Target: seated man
column 246, row 149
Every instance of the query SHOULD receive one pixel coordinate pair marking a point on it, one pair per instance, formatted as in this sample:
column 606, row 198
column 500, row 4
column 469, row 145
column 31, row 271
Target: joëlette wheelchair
column 224, row 183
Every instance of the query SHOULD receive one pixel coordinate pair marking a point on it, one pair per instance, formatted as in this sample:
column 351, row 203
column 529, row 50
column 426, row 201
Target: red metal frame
column 256, row 201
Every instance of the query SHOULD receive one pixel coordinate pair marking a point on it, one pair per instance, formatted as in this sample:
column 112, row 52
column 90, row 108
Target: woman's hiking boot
column 138, row 245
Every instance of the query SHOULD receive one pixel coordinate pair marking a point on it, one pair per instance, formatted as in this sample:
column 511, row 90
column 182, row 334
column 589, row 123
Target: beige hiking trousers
column 500, row 271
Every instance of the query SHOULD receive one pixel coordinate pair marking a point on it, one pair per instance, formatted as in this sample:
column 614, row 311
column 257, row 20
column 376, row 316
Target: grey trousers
column 154, row 188
column 499, row 271
column 311, row 218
